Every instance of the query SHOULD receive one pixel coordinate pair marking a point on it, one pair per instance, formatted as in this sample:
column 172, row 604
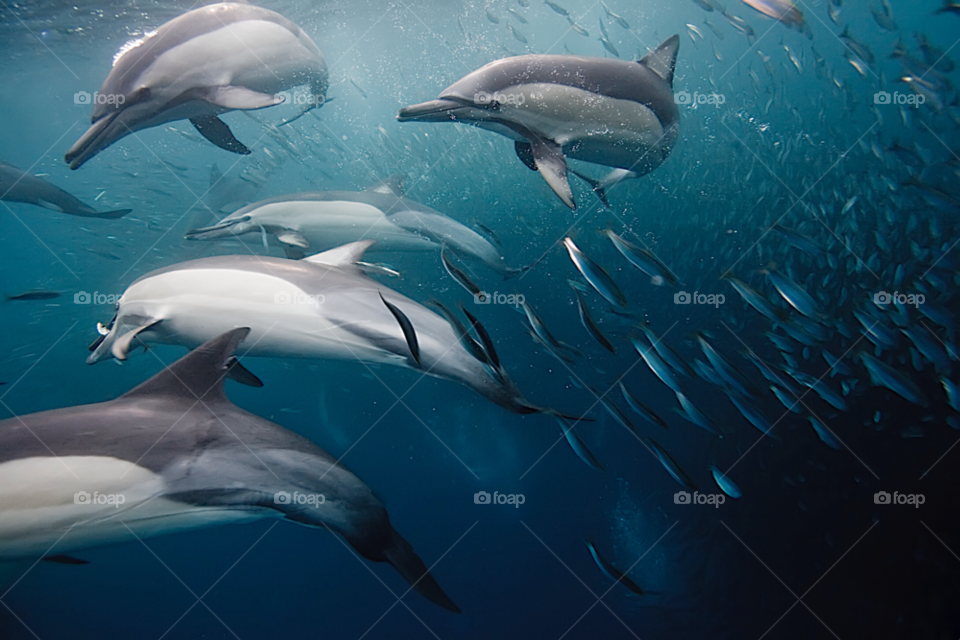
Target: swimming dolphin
column 174, row 454
column 321, row 307
column 20, row 186
column 610, row 112
column 325, row 219
column 206, row 62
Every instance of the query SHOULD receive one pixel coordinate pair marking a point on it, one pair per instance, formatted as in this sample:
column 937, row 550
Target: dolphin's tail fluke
column 595, row 185
column 404, row 559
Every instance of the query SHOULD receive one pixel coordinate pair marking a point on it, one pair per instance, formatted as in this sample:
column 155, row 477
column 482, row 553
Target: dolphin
column 206, row 62
column 615, row 113
column 323, row 306
column 321, row 220
column 20, row 186
column 174, row 454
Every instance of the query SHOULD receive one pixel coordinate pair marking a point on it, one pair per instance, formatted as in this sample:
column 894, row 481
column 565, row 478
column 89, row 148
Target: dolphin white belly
column 337, row 222
column 39, row 504
column 285, row 320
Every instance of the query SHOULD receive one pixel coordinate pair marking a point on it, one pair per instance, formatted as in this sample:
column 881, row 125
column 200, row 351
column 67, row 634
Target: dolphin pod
column 174, row 454
column 322, row 220
column 614, row 113
column 197, row 66
column 93, row 475
column 323, row 306
column 20, row 186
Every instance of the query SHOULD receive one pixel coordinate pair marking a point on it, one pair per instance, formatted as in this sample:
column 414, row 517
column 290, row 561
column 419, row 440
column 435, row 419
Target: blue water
column 807, row 526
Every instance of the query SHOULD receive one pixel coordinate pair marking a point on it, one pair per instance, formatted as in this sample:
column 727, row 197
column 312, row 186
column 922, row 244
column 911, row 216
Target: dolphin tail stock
column 595, row 185
column 404, row 559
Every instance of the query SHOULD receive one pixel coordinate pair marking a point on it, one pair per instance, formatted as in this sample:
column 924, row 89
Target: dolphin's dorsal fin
column 394, row 185
column 663, row 59
column 344, row 255
column 197, row 375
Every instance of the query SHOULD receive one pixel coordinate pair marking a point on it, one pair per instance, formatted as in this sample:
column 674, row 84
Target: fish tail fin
column 512, row 273
column 404, row 559
column 559, row 414
column 595, row 185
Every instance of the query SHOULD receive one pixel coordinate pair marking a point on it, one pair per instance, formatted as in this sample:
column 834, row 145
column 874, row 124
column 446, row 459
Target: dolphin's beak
column 219, row 230
column 432, row 111
column 100, row 350
column 91, row 142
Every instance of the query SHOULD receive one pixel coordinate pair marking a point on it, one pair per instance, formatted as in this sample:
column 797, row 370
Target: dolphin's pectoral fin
column 409, row 334
column 234, row 97
column 293, row 238
column 405, row 560
column 343, row 256
column 238, row 373
column 548, row 157
column 64, row 559
column 121, row 346
column 525, row 153
column 216, row 131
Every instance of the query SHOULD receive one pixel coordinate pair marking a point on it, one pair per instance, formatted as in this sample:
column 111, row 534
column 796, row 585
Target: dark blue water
column 805, row 553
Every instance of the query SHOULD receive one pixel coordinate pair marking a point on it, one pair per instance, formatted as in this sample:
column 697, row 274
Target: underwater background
column 806, row 552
